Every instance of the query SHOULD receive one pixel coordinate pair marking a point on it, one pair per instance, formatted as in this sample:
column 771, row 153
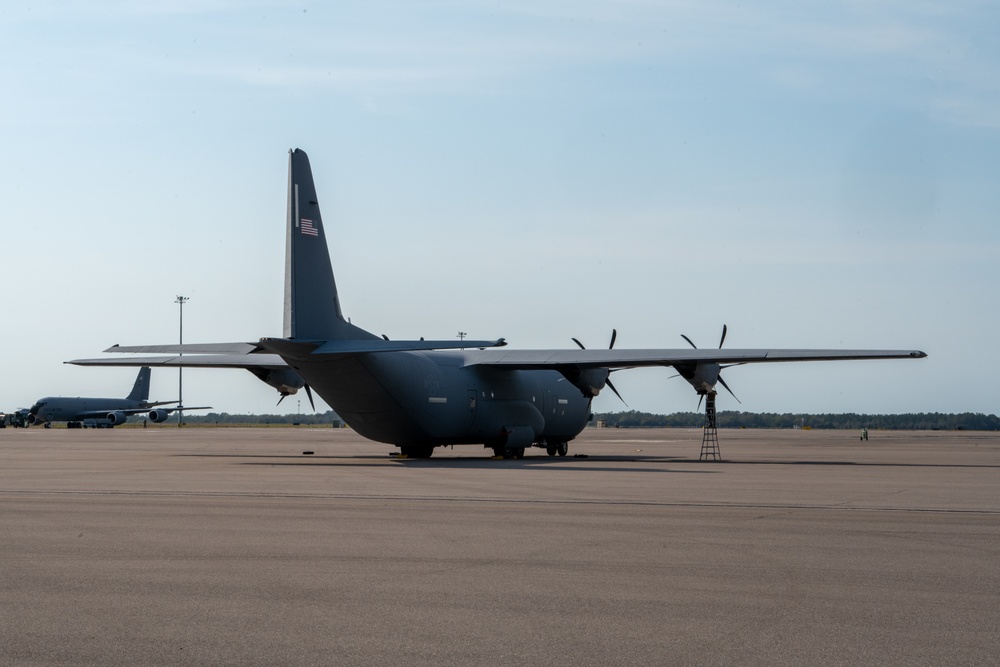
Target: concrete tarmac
column 203, row 546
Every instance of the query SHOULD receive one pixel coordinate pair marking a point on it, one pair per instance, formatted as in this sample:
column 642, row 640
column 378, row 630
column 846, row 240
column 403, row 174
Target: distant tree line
column 328, row 417
column 932, row 421
column 967, row 421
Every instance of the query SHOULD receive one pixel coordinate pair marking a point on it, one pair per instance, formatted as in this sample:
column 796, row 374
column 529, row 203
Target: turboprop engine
column 704, row 376
column 156, row 416
column 590, row 381
column 285, row 380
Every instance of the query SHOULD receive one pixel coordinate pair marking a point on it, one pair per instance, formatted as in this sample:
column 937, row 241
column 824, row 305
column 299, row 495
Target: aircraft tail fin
column 140, row 390
column 312, row 305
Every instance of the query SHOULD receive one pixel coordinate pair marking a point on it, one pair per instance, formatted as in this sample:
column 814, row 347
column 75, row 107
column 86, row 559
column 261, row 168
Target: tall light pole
column 180, row 369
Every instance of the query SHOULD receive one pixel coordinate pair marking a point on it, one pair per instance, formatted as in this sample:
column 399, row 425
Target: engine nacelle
column 116, row 418
column 703, row 377
column 590, row 381
column 286, row 381
column 157, row 416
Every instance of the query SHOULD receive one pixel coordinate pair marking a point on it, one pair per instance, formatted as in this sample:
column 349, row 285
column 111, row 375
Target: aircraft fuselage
column 434, row 399
column 66, row 409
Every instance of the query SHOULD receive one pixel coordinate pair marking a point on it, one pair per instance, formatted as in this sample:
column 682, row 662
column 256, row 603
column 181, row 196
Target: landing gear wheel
column 551, row 450
column 506, row 454
column 417, row 451
column 563, row 448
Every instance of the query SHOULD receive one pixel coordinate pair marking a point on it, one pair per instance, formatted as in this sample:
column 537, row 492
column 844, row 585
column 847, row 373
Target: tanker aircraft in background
column 422, row 394
column 101, row 412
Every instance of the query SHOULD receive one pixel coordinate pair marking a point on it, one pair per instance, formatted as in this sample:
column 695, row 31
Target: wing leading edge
column 614, row 359
column 510, row 359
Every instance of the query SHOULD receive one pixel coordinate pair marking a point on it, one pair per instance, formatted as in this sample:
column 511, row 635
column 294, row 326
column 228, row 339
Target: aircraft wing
column 190, row 348
column 602, row 358
column 511, row 359
column 320, row 347
column 98, row 414
column 191, row 361
column 250, row 355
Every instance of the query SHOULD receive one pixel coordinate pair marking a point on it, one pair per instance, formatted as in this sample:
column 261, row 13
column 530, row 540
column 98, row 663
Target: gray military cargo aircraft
column 101, row 412
column 419, row 395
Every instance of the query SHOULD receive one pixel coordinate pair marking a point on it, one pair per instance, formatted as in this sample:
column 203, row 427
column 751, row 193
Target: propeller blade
column 612, row 388
column 723, row 336
column 614, row 335
column 689, row 341
column 723, row 383
column 281, row 399
column 309, row 393
column 700, row 399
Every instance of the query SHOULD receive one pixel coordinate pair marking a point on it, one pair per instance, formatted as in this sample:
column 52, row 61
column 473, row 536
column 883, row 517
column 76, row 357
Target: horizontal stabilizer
column 356, row 346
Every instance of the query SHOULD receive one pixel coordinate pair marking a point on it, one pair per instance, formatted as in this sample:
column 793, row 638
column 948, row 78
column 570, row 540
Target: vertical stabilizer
column 140, row 390
column 312, row 307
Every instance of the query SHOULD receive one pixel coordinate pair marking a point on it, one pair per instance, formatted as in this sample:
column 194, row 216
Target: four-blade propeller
column 614, row 335
column 309, row 393
column 701, row 368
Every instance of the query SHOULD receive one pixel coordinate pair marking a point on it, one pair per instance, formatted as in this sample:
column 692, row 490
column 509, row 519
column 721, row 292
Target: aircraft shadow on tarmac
column 568, row 464
column 555, row 463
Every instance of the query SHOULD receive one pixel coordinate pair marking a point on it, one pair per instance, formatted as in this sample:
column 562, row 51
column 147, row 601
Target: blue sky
column 811, row 174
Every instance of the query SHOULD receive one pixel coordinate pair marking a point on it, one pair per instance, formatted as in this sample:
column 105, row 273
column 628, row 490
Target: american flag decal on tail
column 306, row 227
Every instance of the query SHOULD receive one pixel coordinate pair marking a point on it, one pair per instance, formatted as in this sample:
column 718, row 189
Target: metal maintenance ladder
column 710, row 435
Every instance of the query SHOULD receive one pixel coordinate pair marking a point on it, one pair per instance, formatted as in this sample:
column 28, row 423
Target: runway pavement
column 199, row 546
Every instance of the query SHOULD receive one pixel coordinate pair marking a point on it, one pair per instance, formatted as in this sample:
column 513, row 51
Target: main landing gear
column 416, row 451
column 501, row 452
column 560, row 448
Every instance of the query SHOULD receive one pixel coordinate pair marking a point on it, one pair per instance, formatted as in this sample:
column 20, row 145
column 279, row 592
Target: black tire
column 417, row 451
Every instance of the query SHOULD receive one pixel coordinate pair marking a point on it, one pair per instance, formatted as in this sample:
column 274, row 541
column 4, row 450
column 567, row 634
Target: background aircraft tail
column 312, row 306
column 140, row 390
